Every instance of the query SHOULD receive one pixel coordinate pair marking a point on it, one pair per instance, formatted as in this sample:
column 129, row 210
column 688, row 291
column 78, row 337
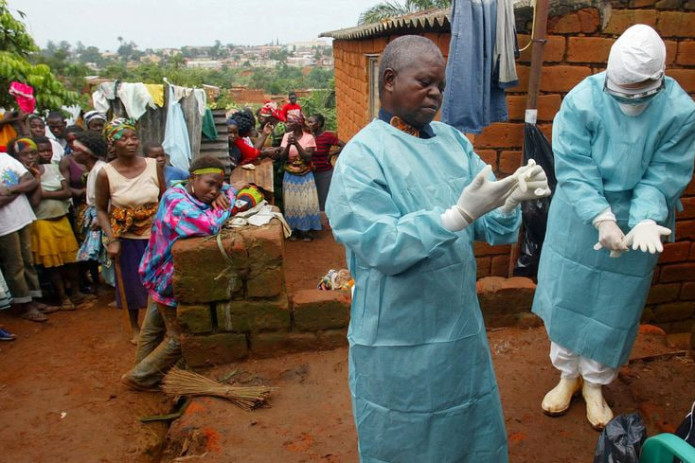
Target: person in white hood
column 624, row 142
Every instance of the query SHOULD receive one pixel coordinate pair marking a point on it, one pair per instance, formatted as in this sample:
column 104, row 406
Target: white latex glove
column 478, row 198
column 532, row 184
column 610, row 236
column 646, row 236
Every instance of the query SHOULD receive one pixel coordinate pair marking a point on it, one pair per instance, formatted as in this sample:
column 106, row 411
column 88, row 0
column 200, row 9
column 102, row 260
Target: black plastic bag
column 535, row 213
column 621, row 440
column 686, row 430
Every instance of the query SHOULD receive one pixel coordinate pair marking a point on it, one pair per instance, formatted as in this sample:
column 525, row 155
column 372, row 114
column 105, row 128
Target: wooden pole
column 540, row 26
column 124, row 300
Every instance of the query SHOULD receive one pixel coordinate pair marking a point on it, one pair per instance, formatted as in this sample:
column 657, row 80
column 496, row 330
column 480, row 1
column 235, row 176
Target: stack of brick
column 577, row 46
column 234, row 304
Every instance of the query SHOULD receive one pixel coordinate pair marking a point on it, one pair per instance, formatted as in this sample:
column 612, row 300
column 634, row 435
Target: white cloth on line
column 176, row 141
column 135, row 99
column 505, row 42
column 202, row 98
column 572, row 365
column 99, row 101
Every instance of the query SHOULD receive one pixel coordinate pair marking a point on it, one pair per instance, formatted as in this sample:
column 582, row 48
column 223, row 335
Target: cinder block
column 215, row 349
column 203, row 274
column 316, row 310
column 254, row 316
column 195, row 319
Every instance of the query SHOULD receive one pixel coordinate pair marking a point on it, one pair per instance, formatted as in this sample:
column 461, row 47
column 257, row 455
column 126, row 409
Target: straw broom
column 182, row 382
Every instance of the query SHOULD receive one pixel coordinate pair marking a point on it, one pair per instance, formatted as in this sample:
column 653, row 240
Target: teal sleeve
column 668, row 174
column 577, row 173
column 365, row 218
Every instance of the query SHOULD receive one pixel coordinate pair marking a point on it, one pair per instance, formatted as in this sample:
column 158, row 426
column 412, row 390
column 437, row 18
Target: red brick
column 686, row 53
column 657, row 274
column 501, row 135
column 566, row 24
column 503, row 299
column 265, row 282
column 678, row 272
column 489, row 157
column 688, row 209
column 510, row 161
column 690, row 190
column 671, row 51
column 553, row 50
column 622, row 19
column 499, row 266
column 675, row 252
column 647, row 315
column 685, row 77
column 481, row 248
column 685, row 230
column 688, row 291
column 215, row 349
column 522, row 73
column 589, row 20
column 483, row 266
column 443, row 41
column 692, row 252
column 316, row 310
column 563, row 78
column 548, row 106
column 588, row 49
column 674, row 312
column 547, row 130
column 641, row 3
column 675, row 24
column 658, row 294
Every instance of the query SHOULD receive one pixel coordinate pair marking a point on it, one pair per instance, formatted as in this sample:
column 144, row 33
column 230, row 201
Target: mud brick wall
column 235, row 304
column 577, row 46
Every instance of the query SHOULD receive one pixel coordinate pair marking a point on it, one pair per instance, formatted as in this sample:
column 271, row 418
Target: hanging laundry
column 472, row 98
column 135, row 99
column 202, row 98
column 181, row 92
column 157, row 93
column 506, row 47
column 100, row 102
column 176, row 142
column 24, row 95
column 209, row 129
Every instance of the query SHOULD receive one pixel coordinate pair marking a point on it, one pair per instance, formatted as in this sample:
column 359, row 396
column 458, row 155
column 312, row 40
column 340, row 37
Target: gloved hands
column 478, row 198
column 532, row 183
column 610, row 236
column 646, row 236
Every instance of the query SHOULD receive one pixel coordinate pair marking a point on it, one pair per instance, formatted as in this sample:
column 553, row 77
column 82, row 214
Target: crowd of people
column 87, row 204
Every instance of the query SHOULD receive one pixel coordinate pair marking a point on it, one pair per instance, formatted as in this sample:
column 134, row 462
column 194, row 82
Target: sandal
column 308, row 238
column 34, row 316
column 67, row 305
column 46, row 309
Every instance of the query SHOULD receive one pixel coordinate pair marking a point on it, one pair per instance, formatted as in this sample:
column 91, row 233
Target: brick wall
column 578, row 45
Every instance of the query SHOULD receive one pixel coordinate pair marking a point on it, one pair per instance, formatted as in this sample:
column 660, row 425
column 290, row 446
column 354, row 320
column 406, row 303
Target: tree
column 392, row 8
column 17, row 47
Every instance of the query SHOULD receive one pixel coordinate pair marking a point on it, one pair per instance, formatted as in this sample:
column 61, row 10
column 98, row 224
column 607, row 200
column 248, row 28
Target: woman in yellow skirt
column 53, row 242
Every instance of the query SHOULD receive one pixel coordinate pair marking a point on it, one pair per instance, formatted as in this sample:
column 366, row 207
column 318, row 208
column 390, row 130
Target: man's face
column 417, row 90
column 96, row 125
column 57, row 127
column 293, row 98
column 37, row 128
column 158, row 154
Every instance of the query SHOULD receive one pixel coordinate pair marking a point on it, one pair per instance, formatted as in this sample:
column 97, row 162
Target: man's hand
column 646, row 236
column 221, row 202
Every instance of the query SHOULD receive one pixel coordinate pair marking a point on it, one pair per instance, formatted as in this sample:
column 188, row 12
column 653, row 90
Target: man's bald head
column 404, row 52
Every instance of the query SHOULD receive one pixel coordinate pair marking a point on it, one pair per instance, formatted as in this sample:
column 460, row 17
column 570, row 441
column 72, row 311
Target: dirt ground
column 61, row 399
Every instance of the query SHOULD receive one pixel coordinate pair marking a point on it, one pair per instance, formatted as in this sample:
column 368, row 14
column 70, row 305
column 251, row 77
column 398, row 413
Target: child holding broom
column 198, row 207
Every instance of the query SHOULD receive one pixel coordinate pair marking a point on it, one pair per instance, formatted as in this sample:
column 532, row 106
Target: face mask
column 632, row 110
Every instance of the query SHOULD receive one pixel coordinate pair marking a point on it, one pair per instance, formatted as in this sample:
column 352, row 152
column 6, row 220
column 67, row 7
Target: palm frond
column 381, row 12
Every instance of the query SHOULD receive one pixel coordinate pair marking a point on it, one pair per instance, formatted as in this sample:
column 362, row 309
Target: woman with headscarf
column 94, row 121
column 299, row 189
column 127, row 195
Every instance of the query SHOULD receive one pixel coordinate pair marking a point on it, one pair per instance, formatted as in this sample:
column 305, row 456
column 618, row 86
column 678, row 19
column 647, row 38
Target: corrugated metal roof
column 431, row 20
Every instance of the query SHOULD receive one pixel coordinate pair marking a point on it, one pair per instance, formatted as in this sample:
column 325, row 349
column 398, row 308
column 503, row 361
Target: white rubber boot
column 597, row 410
column 557, row 401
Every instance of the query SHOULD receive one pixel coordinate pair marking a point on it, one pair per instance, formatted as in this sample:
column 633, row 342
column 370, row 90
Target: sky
column 175, row 23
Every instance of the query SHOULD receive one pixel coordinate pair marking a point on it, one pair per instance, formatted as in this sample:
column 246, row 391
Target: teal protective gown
column 422, row 383
column 638, row 166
